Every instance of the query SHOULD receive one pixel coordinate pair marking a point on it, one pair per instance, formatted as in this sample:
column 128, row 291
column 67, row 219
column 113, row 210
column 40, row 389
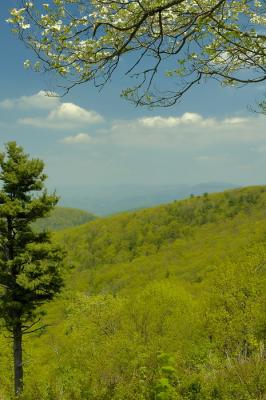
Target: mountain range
column 106, row 200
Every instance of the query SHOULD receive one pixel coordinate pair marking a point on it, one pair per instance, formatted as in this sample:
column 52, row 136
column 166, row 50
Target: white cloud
column 72, row 112
column 188, row 118
column 190, row 130
column 59, row 115
column 158, row 122
column 41, row 100
column 235, row 120
column 79, row 138
column 64, row 116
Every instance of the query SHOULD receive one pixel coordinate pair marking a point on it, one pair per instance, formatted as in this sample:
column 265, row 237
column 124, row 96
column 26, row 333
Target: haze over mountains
column 105, row 200
column 63, row 218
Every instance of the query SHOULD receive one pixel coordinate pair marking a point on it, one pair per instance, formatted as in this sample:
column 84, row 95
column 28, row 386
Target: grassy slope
column 62, row 218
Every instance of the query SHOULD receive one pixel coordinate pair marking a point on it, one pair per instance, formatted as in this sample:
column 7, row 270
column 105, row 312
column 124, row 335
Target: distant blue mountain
column 105, row 200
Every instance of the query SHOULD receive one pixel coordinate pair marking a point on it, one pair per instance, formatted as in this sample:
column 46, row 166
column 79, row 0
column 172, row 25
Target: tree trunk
column 18, row 363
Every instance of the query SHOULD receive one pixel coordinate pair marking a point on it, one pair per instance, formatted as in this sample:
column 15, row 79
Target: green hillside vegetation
column 62, row 218
column 166, row 303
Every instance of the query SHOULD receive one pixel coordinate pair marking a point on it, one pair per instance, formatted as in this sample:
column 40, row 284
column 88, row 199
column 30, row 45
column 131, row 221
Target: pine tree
column 30, row 264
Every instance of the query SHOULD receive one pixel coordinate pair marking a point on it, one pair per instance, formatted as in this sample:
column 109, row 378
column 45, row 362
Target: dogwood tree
column 187, row 41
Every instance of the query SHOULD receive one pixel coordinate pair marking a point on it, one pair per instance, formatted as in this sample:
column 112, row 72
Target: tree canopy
column 188, row 41
column 30, row 264
column 163, row 303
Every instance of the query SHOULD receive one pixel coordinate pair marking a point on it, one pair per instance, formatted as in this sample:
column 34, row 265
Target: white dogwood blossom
column 85, row 40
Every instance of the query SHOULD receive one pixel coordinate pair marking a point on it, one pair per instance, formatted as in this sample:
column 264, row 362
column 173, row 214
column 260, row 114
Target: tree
column 262, row 107
column 30, row 265
column 189, row 40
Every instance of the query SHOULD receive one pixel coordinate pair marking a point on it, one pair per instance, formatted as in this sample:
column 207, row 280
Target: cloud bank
column 187, row 130
column 166, row 147
column 41, row 100
column 59, row 115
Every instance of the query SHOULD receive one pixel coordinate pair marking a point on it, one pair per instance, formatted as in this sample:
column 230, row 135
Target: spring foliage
column 166, row 303
column 180, row 39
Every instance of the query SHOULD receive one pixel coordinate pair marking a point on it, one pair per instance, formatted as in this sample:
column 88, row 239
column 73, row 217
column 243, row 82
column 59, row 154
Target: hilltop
column 193, row 235
column 62, row 218
column 160, row 303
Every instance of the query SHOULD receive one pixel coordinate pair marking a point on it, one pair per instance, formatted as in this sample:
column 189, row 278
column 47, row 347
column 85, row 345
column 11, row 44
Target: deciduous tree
column 187, row 40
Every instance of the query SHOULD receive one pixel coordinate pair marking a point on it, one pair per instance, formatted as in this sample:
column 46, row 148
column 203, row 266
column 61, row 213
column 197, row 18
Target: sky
column 89, row 137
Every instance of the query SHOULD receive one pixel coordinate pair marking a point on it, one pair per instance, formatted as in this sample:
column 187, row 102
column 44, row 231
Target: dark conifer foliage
column 30, row 264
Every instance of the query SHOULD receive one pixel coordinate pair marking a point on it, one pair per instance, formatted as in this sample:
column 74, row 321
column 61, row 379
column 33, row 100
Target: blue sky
column 89, row 137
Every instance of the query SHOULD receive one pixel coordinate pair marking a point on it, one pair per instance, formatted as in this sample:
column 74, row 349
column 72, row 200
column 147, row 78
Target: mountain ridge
column 62, row 218
column 129, row 235
column 107, row 200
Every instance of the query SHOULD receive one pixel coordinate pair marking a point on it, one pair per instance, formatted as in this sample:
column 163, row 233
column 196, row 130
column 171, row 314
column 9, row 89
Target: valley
column 160, row 303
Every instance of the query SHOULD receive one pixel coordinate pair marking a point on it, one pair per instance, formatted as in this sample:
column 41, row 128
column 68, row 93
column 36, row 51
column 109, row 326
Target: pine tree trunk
column 18, row 362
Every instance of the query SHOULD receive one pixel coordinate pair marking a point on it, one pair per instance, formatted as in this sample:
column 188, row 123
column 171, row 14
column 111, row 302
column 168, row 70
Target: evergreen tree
column 30, row 265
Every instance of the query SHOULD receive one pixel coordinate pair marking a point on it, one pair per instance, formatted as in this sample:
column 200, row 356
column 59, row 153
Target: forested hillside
column 160, row 304
column 63, row 217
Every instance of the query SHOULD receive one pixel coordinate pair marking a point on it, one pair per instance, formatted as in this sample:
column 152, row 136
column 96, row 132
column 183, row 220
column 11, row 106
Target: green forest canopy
column 162, row 303
column 63, row 217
